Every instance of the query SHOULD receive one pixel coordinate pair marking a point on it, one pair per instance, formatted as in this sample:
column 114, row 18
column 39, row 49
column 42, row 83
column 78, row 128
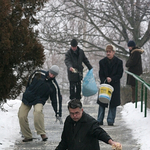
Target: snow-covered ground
column 139, row 124
column 134, row 118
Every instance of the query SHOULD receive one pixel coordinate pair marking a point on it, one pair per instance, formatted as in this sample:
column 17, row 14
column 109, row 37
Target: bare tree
column 96, row 23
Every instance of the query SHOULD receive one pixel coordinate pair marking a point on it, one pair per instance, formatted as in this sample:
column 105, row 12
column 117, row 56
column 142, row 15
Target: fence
column 143, row 84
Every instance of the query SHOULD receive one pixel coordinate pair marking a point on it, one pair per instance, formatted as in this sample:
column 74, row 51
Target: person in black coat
column 134, row 65
column 110, row 72
column 41, row 85
column 81, row 131
column 73, row 60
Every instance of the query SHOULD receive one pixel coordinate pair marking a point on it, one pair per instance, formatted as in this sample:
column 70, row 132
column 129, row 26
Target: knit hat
column 111, row 47
column 54, row 70
column 131, row 44
column 74, row 43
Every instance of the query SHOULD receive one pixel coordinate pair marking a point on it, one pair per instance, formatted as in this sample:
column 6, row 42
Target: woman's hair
column 74, row 104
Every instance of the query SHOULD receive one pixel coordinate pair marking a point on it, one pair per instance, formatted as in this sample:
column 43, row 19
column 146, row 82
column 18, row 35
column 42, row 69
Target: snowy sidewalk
column 119, row 132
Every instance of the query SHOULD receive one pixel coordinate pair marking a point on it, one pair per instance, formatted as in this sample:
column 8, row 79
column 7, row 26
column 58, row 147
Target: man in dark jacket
column 41, row 85
column 110, row 72
column 73, row 60
column 134, row 65
column 81, row 131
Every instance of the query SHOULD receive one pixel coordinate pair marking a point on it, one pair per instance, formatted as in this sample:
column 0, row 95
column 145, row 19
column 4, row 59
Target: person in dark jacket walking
column 41, row 85
column 81, row 131
column 134, row 65
column 73, row 60
column 110, row 72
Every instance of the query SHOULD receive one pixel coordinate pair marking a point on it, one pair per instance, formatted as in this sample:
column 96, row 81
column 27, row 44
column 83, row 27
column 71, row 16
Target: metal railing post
column 136, row 92
column 141, row 97
column 145, row 101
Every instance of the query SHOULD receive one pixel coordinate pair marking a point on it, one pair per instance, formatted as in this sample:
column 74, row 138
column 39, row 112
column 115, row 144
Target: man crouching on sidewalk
column 41, row 85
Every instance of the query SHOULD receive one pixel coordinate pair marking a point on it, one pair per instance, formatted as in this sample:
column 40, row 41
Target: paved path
column 119, row 132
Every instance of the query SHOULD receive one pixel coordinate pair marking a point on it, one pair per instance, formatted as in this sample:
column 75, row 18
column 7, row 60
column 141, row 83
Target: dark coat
column 134, row 64
column 113, row 69
column 75, row 59
column 82, row 135
column 39, row 88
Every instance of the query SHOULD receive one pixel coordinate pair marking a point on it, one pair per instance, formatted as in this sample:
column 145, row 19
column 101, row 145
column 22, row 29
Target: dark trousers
column 75, row 90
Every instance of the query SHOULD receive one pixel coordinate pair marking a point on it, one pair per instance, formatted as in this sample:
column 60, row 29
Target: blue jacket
column 39, row 88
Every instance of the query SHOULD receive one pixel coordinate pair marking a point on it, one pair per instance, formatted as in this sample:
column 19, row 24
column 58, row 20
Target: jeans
column 111, row 114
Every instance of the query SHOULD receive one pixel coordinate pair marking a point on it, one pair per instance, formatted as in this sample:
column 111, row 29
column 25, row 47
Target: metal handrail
column 147, row 86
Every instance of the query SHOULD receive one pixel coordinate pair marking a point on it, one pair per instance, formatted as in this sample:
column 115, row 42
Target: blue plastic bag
column 89, row 86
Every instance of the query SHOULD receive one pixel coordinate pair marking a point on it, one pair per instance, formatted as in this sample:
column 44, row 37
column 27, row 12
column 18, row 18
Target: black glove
column 59, row 119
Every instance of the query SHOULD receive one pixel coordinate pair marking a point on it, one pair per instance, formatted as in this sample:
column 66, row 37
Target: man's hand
column 115, row 145
column 109, row 79
column 73, row 70
column 59, row 119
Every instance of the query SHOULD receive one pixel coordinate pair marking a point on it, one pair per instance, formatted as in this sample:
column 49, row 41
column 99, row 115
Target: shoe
column 110, row 124
column 44, row 137
column 26, row 140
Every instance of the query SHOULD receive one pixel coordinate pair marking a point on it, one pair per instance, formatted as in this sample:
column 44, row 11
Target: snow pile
column 9, row 126
column 139, row 124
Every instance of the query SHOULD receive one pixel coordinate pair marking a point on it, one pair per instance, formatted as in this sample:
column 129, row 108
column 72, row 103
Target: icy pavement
column 119, row 132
